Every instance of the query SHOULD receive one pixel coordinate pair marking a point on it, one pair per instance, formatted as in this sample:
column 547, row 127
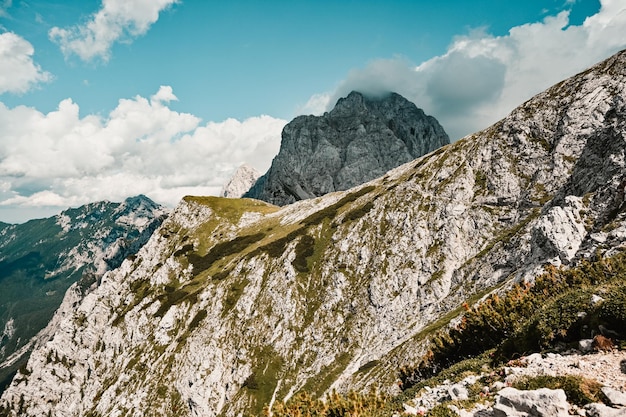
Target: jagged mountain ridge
column 40, row 259
column 360, row 139
column 234, row 303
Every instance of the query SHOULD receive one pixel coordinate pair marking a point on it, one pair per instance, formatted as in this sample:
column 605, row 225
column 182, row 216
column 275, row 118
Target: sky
column 106, row 99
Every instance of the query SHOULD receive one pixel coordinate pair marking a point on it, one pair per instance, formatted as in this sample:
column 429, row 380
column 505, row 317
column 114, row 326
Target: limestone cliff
column 360, row 139
column 244, row 177
column 234, row 303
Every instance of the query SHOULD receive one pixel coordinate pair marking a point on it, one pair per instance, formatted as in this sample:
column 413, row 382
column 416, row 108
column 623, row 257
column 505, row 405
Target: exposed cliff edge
column 234, row 303
column 360, row 139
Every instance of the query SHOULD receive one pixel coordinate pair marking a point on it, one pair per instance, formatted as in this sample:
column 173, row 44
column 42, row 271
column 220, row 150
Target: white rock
column 544, row 402
column 601, row 410
column 585, row 345
column 615, row 397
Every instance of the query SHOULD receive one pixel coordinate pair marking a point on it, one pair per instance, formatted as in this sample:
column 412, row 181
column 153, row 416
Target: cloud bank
column 116, row 21
column 18, row 72
column 61, row 159
column 481, row 77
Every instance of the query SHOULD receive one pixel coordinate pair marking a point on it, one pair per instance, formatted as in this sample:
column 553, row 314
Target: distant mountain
column 236, row 304
column 244, row 177
column 360, row 139
column 40, row 259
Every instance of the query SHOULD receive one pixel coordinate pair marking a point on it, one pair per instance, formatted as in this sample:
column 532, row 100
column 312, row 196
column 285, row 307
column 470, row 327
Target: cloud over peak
column 482, row 77
column 116, row 21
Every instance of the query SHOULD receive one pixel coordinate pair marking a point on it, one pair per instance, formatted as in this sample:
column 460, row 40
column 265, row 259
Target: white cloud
column 483, row 77
column 62, row 159
column 18, row 72
column 116, row 21
column 316, row 105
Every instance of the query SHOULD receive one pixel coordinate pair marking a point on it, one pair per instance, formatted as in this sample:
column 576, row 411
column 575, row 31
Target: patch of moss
column 331, row 211
column 358, row 212
column 261, row 383
column 369, row 365
column 304, row 249
column 222, row 250
column 277, row 247
column 200, row 315
column 234, row 292
column 480, row 180
column 168, row 299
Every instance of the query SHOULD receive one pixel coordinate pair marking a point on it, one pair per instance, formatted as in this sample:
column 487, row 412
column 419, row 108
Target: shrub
column 351, row 404
column 579, row 390
column 531, row 317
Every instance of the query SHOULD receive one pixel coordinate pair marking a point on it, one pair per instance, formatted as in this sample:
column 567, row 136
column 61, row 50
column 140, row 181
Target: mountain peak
column 357, row 141
column 244, row 177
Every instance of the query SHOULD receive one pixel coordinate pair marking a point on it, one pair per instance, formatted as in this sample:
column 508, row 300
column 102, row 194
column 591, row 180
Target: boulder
column 544, row 402
column 614, row 396
column 601, row 410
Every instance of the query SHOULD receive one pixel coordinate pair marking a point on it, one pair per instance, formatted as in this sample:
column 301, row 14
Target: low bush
column 580, row 391
column 533, row 317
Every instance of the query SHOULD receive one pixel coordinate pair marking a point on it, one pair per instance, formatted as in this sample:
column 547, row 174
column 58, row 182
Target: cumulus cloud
column 116, row 21
column 483, row 77
column 18, row 72
column 61, row 159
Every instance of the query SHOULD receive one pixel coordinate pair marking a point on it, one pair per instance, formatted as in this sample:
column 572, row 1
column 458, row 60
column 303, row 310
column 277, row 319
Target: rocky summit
column 235, row 304
column 360, row 139
column 244, row 177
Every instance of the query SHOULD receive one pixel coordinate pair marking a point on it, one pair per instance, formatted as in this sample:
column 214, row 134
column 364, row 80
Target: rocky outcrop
column 235, row 303
column 244, row 177
column 543, row 402
column 360, row 139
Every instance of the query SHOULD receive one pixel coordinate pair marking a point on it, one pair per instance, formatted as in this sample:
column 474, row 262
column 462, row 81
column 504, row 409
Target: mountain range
column 234, row 305
column 41, row 259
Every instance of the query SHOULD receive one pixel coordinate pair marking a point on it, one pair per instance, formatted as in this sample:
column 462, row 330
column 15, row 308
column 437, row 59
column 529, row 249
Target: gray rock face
column 234, row 303
column 244, row 177
column 543, row 402
column 357, row 141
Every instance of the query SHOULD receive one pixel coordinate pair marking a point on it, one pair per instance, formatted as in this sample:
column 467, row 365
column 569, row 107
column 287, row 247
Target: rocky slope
column 234, row 303
column 360, row 139
column 40, row 259
column 244, row 177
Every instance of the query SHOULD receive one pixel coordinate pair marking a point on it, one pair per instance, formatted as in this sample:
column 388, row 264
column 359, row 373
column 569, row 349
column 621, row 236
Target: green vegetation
column 331, row 211
column 304, row 249
column 580, row 391
column 358, row 212
column 168, row 299
column 277, row 247
column 532, row 317
column 201, row 315
column 350, row 405
column 222, row 250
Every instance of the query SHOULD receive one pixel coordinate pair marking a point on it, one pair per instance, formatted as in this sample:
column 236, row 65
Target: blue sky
column 106, row 99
